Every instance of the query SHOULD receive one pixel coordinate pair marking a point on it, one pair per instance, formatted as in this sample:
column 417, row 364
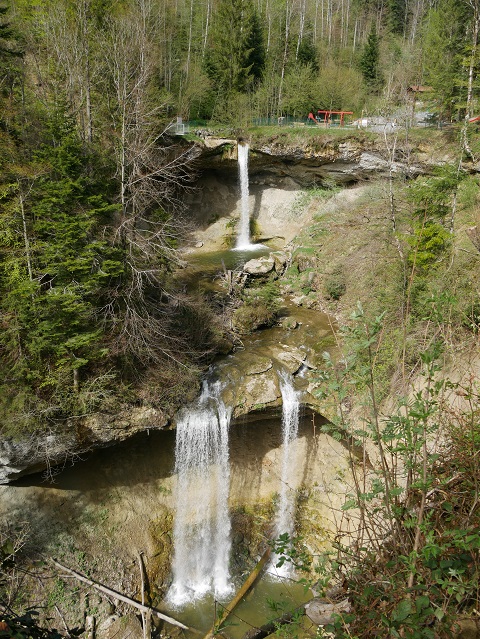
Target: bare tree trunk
column 471, row 76
column 84, row 22
column 189, row 47
column 25, row 239
column 207, row 27
column 301, row 27
column 288, row 17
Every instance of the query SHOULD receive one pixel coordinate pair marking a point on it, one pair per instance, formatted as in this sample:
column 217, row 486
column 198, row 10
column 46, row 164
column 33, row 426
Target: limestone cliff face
column 280, row 169
column 43, row 450
column 308, row 162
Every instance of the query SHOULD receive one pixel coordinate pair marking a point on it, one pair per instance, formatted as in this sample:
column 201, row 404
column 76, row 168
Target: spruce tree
column 370, row 61
column 445, row 50
column 235, row 58
column 396, row 15
column 57, row 266
column 256, row 44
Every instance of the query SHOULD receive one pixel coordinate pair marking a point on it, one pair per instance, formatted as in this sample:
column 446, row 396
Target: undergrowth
column 409, row 560
column 409, row 563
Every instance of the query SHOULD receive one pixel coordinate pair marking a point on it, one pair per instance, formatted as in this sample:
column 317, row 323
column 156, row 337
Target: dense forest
column 91, row 184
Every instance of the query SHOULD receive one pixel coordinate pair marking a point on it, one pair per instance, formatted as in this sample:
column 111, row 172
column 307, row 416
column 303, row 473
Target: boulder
column 304, row 260
column 260, row 266
column 128, row 627
column 322, row 612
column 466, row 629
column 290, row 357
column 281, row 260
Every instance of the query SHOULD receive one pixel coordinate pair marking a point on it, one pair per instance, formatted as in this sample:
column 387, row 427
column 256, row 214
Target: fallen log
column 271, row 626
column 120, row 597
column 240, row 594
column 318, row 610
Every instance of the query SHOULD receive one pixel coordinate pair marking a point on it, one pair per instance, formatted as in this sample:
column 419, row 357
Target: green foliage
column 339, row 87
column 236, row 57
column 56, row 270
column 289, row 550
column 299, row 91
column 259, row 309
column 444, row 47
column 397, row 14
column 307, row 52
column 334, row 285
column 419, row 567
column 370, row 60
column 428, row 243
column 433, row 195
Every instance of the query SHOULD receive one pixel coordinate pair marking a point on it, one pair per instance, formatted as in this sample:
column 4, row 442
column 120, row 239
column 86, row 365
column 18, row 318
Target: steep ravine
column 104, row 509
column 281, row 167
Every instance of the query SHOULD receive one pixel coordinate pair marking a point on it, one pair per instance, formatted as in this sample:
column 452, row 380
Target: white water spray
column 243, row 237
column 286, row 504
column 201, row 532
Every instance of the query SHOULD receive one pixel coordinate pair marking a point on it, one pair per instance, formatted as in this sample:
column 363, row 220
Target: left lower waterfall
column 201, row 533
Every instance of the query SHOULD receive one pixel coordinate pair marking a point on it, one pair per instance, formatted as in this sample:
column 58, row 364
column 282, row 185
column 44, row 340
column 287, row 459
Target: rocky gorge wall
column 279, row 172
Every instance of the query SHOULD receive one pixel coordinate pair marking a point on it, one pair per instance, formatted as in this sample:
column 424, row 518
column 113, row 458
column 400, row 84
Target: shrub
column 335, row 284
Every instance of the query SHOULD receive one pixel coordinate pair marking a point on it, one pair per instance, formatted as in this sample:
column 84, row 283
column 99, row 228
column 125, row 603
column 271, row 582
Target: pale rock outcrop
column 260, row 266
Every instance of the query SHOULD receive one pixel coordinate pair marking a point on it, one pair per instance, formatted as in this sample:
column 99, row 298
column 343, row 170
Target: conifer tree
column 234, row 61
column 256, row 44
column 397, row 12
column 370, row 61
column 444, row 49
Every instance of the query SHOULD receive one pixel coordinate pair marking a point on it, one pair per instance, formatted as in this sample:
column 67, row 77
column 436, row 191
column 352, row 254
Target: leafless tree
column 151, row 173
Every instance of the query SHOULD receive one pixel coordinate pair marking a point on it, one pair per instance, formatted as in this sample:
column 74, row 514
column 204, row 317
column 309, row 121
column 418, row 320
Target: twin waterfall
column 201, row 533
column 286, row 502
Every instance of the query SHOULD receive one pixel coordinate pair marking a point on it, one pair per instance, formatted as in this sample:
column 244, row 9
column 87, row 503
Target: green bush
column 335, row 284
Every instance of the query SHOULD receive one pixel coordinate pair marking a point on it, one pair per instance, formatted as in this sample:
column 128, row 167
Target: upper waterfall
column 243, row 237
column 202, row 524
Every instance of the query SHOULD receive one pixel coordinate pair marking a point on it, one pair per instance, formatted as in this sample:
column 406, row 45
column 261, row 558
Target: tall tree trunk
column 471, row 76
column 207, row 26
column 301, row 27
column 189, row 46
column 288, row 17
column 25, row 238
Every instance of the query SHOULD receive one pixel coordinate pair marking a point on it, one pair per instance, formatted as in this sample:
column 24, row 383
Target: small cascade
column 286, row 504
column 243, row 237
column 202, row 525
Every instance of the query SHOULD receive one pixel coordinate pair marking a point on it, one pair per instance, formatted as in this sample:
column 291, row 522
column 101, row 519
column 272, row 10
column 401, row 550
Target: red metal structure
column 327, row 116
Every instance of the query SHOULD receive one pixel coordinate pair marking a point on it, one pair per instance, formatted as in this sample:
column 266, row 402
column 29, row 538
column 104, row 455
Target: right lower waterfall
column 285, row 522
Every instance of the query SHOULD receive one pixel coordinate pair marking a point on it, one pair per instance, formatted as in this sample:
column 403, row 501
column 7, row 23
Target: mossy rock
column 248, row 318
column 158, row 565
column 304, row 259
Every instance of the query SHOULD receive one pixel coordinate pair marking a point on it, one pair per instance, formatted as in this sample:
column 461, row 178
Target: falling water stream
column 286, row 503
column 243, row 237
column 202, row 525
